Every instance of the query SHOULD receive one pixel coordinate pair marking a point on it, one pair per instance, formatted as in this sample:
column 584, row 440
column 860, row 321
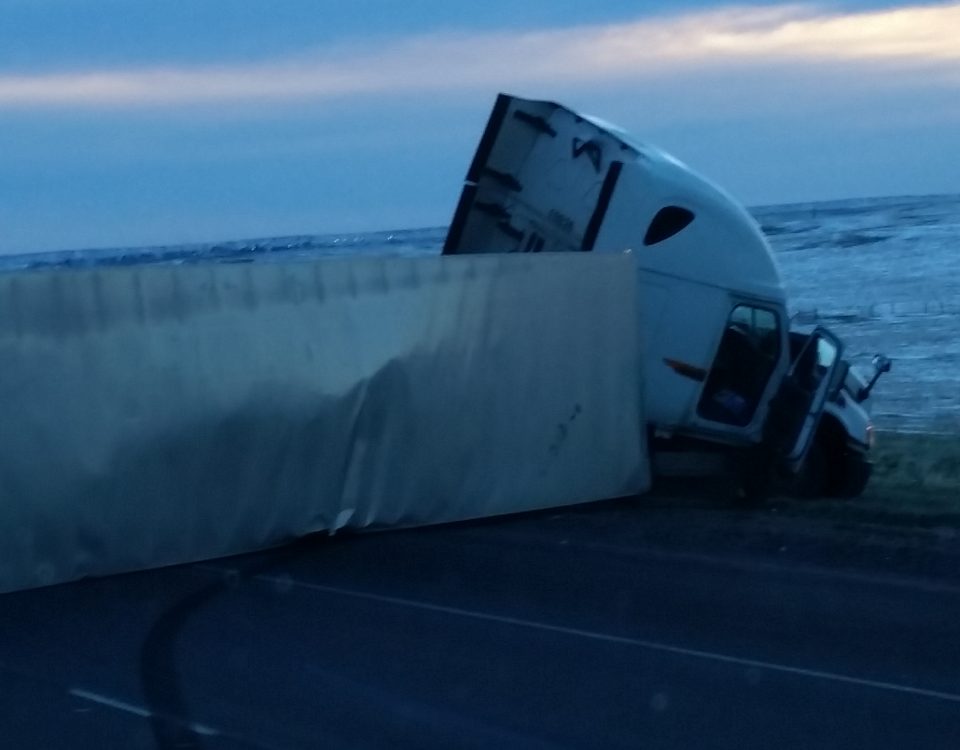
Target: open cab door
column 814, row 375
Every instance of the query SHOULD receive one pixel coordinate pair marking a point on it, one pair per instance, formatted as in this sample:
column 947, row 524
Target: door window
column 796, row 410
column 745, row 360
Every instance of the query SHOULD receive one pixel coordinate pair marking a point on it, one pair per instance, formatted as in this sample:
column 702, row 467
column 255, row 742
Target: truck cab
column 724, row 374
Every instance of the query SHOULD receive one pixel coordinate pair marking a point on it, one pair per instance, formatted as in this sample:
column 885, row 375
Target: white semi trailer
column 155, row 415
column 729, row 384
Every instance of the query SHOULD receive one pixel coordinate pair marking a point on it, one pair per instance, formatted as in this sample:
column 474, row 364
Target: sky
column 157, row 122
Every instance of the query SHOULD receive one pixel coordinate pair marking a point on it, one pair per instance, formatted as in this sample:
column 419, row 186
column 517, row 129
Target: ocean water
column 883, row 273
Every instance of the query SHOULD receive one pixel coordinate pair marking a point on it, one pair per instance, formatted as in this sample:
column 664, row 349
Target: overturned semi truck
column 729, row 384
column 155, row 415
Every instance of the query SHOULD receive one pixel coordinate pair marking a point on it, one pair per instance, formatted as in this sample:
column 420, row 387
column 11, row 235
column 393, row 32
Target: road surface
column 618, row 625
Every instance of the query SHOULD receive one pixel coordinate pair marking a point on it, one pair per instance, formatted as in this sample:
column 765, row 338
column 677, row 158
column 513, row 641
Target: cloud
column 898, row 39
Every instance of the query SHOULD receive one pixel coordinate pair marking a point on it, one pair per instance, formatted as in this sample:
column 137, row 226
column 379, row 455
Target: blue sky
column 128, row 122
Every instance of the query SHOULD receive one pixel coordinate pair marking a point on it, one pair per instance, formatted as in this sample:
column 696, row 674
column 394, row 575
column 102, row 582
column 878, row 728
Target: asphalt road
column 614, row 626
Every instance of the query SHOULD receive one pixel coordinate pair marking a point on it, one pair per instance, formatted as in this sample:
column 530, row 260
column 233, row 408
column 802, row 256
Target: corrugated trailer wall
column 166, row 414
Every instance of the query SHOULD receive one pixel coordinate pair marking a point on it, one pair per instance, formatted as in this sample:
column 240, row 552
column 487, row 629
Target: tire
column 853, row 476
column 813, row 478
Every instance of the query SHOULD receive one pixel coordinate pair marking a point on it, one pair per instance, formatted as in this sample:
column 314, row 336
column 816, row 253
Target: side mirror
column 881, row 364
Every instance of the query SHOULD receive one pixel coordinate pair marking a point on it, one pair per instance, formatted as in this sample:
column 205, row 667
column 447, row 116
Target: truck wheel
column 854, row 475
column 811, row 481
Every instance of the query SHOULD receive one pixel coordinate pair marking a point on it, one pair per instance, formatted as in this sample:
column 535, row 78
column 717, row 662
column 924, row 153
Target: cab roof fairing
column 724, row 246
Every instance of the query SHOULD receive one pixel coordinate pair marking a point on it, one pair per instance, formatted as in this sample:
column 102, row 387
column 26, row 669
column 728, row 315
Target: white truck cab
column 724, row 373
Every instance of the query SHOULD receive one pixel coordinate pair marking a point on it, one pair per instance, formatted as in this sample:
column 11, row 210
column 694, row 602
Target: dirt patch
column 907, row 520
column 915, row 483
column 921, row 463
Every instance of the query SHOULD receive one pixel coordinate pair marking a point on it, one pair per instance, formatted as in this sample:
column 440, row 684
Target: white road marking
column 143, row 713
column 608, row 638
column 111, row 703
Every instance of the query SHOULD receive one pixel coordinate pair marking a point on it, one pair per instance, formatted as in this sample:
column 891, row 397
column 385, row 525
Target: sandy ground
column 907, row 522
column 924, row 463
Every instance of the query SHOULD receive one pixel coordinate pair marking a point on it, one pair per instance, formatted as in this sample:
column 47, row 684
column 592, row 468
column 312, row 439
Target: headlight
column 871, row 435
